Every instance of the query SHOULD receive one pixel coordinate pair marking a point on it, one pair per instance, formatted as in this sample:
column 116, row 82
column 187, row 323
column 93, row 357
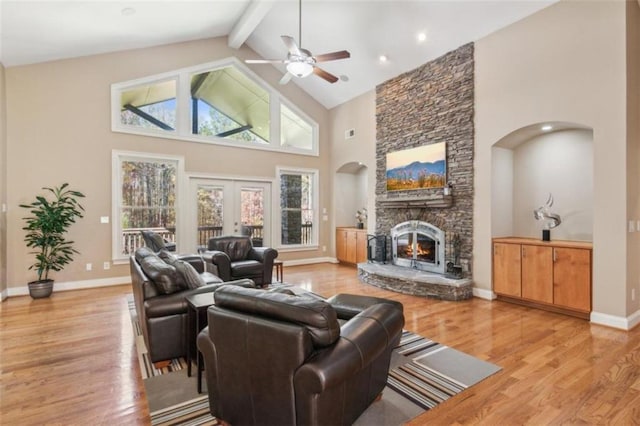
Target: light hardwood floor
column 71, row 359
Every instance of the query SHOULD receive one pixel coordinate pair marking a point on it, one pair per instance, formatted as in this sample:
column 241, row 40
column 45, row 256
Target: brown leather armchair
column 237, row 258
column 275, row 359
column 163, row 314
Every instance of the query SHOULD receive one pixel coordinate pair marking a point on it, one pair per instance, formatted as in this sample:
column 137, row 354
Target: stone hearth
column 415, row 282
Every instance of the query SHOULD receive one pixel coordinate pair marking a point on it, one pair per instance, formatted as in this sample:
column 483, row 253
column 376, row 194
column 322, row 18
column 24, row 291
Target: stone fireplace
column 433, row 103
column 419, row 245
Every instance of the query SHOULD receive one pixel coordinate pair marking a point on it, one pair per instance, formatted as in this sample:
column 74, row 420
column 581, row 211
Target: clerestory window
column 221, row 102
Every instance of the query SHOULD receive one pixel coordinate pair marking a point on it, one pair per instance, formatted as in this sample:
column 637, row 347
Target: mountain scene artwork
column 417, row 168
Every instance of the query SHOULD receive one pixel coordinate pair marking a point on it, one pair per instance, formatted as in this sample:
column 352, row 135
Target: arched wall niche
column 530, row 163
column 350, row 192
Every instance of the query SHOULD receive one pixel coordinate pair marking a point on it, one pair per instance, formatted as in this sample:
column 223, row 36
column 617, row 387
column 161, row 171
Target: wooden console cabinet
column 351, row 245
column 552, row 275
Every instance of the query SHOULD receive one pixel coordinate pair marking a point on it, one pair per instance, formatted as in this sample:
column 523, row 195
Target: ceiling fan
column 300, row 62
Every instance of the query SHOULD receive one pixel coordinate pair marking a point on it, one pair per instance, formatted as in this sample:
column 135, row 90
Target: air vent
column 348, row 134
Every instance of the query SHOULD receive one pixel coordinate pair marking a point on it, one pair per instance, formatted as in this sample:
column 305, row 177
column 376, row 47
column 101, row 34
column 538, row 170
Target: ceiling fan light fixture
column 300, row 69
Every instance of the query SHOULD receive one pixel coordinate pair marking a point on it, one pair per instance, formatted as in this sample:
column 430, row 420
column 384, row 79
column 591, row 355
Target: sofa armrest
column 194, row 260
column 221, row 261
column 266, row 256
column 363, row 339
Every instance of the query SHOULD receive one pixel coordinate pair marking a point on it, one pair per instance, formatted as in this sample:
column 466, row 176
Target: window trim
column 315, row 197
column 182, row 131
column 117, row 157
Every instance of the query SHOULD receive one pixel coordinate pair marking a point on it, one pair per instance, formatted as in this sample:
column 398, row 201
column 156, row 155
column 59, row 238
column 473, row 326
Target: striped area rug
column 423, row 372
column 192, row 413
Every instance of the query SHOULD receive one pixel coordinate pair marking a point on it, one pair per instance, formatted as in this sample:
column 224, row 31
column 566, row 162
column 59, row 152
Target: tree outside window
column 148, row 201
column 296, row 203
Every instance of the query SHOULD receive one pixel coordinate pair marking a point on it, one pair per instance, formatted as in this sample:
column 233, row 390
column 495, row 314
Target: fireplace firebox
column 417, row 244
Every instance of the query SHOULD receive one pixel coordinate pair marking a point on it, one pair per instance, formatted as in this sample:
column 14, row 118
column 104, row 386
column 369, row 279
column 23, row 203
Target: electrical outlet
column 89, row 266
column 107, row 265
column 632, row 226
column 104, row 219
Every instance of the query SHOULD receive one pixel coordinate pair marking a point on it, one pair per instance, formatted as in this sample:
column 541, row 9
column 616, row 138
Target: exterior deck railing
column 132, row 238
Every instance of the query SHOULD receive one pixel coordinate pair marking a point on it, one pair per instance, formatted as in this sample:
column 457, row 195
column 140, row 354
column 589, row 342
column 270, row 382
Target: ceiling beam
column 250, row 19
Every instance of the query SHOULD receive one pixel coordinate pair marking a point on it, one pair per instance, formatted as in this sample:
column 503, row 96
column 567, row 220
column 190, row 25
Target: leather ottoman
column 348, row 306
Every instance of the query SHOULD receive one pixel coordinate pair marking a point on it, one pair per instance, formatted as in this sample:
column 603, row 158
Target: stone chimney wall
column 431, row 104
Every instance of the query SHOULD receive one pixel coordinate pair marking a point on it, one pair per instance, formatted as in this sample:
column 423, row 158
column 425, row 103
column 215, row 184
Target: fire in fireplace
column 418, row 244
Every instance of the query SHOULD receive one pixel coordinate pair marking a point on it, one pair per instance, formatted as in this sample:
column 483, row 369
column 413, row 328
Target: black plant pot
column 360, row 225
column 40, row 289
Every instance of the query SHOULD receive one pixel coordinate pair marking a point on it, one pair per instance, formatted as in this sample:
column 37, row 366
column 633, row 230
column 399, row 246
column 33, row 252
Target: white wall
column 560, row 163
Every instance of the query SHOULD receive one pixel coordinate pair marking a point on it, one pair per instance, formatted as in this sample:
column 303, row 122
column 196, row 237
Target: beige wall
column 58, row 119
column 3, row 184
column 358, row 114
column 560, row 163
column 564, row 63
column 633, row 152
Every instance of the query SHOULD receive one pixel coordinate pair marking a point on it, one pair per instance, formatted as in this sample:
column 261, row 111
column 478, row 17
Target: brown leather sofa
column 276, row 359
column 237, row 258
column 162, row 316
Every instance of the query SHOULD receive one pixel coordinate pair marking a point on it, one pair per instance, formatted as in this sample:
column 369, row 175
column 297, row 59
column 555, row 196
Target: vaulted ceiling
column 38, row 31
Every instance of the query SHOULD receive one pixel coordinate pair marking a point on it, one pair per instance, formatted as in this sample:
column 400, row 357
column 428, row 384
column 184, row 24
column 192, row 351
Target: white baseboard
column 309, row 261
column 622, row 323
column 73, row 285
column 483, row 293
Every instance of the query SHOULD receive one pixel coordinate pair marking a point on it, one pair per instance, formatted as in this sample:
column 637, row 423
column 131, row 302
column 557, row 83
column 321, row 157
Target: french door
column 229, row 207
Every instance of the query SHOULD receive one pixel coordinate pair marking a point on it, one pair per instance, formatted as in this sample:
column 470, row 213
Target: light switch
column 104, row 219
column 632, row 226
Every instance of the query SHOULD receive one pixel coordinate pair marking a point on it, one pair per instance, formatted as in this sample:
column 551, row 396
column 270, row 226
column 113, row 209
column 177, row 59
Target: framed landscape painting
column 417, row 168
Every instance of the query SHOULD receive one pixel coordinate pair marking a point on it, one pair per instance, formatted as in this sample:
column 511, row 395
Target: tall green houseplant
column 46, row 228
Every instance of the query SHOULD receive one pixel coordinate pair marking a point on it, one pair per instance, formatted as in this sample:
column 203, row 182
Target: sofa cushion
column 143, row 252
column 317, row 316
column 164, row 276
column 167, row 256
column 189, row 275
column 210, row 278
column 237, row 248
column 246, row 268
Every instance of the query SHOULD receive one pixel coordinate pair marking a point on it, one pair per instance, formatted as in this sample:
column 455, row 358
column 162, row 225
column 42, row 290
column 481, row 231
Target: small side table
column 279, row 271
column 197, row 305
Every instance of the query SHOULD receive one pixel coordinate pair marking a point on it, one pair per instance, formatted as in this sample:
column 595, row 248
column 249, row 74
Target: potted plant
column 46, row 228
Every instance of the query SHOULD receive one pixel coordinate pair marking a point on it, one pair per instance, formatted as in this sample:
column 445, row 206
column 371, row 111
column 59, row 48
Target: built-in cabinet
column 351, row 245
column 554, row 275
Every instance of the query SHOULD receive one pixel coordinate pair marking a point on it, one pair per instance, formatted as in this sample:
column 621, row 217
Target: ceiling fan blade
column 324, row 74
column 342, row 54
column 286, row 77
column 264, row 61
column 291, row 45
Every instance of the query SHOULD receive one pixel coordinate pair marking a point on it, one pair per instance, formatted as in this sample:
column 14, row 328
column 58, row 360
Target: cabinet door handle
column 524, row 252
column 555, row 257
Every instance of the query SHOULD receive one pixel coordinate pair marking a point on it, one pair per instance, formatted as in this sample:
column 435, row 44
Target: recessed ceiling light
column 128, row 11
column 383, row 58
column 546, row 127
column 421, row 37
column 344, row 78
